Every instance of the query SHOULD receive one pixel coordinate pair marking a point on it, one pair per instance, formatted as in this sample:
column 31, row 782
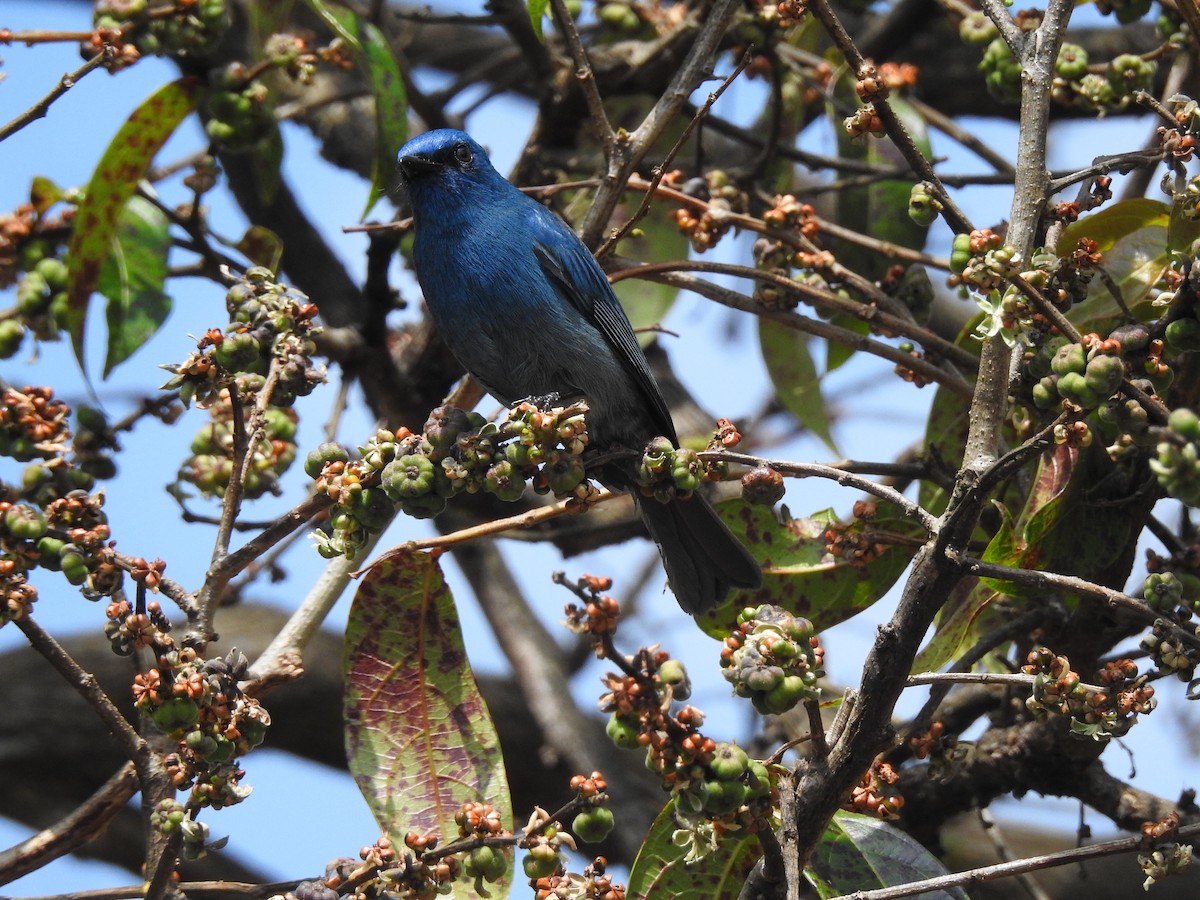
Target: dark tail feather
column 702, row 557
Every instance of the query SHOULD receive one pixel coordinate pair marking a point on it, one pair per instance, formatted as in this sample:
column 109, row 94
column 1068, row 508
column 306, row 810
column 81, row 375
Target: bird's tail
column 702, row 557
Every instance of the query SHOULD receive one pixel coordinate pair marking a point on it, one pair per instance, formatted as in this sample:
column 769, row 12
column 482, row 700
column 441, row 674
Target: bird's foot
column 541, row 401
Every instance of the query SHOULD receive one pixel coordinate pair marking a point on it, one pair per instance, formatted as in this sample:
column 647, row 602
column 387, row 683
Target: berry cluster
column 183, row 29
column 200, row 704
column 1177, row 461
column 483, row 862
column 876, row 794
column 457, row 452
column 1076, row 82
column 594, row 883
column 239, row 110
column 723, row 197
column 1085, row 373
column 50, row 520
column 1101, row 711
column 773, row 658
column 711, row 783
column 248, row 376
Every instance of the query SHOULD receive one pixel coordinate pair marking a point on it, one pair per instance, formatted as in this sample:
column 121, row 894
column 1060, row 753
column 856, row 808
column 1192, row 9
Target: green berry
column 1184, row 422
column 622, row 732
column 176, row 714
column 1183, row 335
column 408, row 477
column 24, row 522
column 923, row 209
column 1075, row 388
column 724, row 797
column 424, row 507
column 1072, row 62
column 565, row 474
column 729, row 762
column 74, row 564
column 960, row 253
column 593, row 825
column 540, row 865
column 316, row 460
column 12, row 333
column 759, row 782
column 1069, row 358
column 1104, row 374
column 487, row 863
column 785, row 695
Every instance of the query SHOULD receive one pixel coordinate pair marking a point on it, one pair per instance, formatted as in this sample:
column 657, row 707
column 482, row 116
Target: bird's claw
column 542, row 401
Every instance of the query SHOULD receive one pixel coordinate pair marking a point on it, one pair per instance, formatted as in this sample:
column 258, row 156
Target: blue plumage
column 526, row 309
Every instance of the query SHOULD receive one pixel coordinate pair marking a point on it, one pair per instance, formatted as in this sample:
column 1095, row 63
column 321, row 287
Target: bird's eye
column 463, row 154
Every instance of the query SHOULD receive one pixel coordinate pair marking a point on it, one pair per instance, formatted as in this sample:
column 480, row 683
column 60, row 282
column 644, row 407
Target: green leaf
column 801, row 576
column 114, row 181
column 647, row 303
column 387, row 87
column 971, row 609
column 1113, row 223
column 660, row 872
column 1079, row 518
column 419, row 739
column 335, row 19
column 537, row 13
column 794, row 375
column 1134, row 237
column 862, row 853
column 133, row 278
column 43, row 194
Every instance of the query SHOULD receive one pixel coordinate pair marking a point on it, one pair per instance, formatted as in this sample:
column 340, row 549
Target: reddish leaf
column 123, row 164
column 419, row 738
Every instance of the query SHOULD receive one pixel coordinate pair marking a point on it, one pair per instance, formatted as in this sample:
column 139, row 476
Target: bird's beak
column 413, row 167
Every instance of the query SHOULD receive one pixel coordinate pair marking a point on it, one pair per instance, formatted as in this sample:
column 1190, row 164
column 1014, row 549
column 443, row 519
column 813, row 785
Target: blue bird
column 528, row 311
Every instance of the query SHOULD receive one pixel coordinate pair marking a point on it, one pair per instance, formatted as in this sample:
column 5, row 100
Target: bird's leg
column 541, row 401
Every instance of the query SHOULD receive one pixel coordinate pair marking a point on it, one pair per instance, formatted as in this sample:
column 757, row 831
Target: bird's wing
column 579, row 278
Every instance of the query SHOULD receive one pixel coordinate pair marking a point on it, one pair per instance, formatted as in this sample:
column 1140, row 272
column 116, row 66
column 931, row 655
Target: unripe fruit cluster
column 725, row 785
column 210, row 467
column 457, row 452
column 1099, row 712
column 239, row 109
column 192, row 29
column 200, row 704
column 773, row 658
column 667, row 471
column 1087, row 378
column 1177, row 463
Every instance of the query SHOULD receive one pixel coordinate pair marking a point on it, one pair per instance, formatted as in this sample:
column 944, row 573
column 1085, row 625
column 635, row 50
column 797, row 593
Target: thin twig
column 661, row 168
column 490, row 529
column 1008, row 869
column 584, row 75
column 842, row 477
column 284, row 656
column 630, row 151
column 1074, row 585
column 73, row 831
column 68, row 81
column 892, row 124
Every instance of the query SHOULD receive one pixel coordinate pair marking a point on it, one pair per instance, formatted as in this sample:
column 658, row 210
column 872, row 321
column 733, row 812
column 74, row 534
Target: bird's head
column 446, row 158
